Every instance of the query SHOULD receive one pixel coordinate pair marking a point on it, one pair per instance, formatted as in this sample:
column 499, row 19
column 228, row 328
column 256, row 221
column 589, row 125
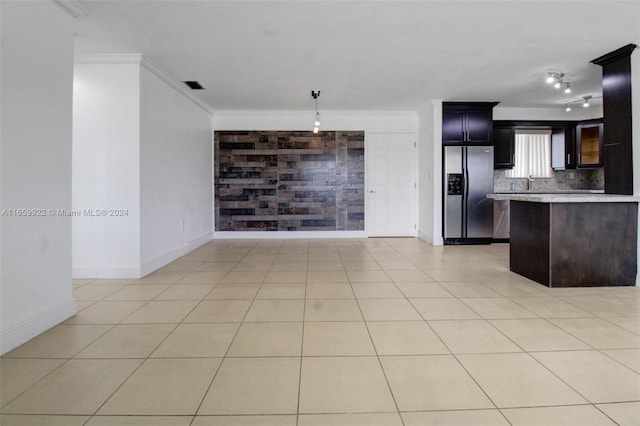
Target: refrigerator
column 468, row 178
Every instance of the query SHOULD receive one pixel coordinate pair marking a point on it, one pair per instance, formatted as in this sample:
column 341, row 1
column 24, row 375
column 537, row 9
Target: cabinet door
column 563, row 148
column 479, row 126
column 558, row 157
column 589, row 145
column 570, row 147
column 504, row 144
column 453, row 126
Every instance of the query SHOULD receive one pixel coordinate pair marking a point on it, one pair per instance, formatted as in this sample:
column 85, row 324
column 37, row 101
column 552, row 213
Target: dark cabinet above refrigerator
column 467, row 123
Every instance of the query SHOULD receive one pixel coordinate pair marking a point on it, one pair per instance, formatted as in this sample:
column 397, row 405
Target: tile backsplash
column 562, row 180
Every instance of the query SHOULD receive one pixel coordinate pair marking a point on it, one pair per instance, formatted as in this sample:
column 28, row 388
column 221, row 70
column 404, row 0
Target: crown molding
column 108, row 58
column 307, row 112
column 72, row 7
column 139, row 59
column 175, row 83
column 623, row 52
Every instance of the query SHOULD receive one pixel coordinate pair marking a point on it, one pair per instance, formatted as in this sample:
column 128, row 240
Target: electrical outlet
column 572, row 175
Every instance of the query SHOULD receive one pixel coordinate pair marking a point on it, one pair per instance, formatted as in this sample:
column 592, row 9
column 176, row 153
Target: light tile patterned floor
column 332, row 332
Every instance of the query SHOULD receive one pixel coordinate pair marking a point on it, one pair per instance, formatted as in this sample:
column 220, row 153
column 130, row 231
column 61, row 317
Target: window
column 532, row 154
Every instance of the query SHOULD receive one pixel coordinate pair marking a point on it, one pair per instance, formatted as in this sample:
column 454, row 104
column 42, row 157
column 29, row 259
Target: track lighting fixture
column 585, row 101
column 554, row 78
column 316, row 124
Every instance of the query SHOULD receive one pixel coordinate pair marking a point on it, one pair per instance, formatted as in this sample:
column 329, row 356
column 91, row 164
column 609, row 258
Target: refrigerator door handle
column 466, row 199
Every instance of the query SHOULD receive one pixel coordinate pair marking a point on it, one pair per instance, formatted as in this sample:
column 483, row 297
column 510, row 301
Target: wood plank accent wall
column 289, row 181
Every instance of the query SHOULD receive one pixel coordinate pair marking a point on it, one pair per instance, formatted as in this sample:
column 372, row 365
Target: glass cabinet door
column 589, row 139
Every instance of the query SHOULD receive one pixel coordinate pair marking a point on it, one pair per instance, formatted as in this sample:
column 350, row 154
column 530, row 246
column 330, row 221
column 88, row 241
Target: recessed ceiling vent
column 194, row 85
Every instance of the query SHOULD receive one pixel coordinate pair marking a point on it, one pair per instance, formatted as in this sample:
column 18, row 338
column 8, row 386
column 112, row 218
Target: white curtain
column 532, row 154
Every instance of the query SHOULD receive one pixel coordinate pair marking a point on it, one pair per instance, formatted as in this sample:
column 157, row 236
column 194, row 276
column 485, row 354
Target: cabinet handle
column 468, row 137
column 568, row 158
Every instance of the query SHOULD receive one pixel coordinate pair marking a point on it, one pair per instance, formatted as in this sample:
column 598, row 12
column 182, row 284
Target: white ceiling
column 366, row 55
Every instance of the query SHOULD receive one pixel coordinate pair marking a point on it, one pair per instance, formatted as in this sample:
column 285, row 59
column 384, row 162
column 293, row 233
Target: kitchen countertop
column 565, row 197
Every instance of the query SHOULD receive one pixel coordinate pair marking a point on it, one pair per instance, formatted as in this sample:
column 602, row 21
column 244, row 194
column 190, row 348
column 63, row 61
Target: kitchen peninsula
column 574, row 239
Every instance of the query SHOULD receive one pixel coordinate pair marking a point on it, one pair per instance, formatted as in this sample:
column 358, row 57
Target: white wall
column 35, row 157
column 141, row 146
column 556, row 113
column 371, row 122
column 430, row 153
column 175, row 173
column 106, row 169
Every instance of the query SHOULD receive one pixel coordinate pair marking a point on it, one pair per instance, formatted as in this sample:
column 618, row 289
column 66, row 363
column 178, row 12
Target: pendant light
column 316, row 124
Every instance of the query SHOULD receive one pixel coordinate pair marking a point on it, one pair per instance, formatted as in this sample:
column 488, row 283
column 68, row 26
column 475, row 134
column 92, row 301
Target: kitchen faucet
column 529, row 182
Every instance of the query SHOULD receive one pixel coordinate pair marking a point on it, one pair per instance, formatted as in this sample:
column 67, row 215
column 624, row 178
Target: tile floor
column 332, row 332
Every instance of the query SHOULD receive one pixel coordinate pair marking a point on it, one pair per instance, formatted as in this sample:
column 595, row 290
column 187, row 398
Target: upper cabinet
column 589, row 144
column 467, row 123
column 504, row 147
column 618, row 140
column 563, row 146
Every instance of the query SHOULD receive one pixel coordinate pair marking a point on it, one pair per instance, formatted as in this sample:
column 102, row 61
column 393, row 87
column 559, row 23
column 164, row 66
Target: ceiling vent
column 194, row 85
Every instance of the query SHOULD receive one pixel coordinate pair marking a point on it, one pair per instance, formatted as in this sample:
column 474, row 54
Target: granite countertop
column 565, row 197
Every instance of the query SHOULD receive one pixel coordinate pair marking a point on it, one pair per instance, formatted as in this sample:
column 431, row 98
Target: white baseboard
column 266, row 235
column 145, row 268
column 26, row 330
column 113, row 273
column 154, row 264
column 424, row 237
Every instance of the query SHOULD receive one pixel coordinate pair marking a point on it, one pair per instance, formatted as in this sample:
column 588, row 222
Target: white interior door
column 391, row 184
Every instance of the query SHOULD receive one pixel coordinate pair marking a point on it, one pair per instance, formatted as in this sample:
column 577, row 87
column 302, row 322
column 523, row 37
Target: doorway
column 391, row 184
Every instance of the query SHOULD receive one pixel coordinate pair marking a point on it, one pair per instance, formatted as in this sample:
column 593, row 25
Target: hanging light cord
column 316, row 124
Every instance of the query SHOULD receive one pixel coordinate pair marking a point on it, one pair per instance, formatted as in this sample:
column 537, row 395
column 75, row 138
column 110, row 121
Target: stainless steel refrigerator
column 468, row 178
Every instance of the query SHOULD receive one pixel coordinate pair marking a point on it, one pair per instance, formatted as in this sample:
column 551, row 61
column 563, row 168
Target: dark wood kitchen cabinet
column 616, row 105
column 467, row 123
column 504, row 139
column 589, row 144
column 579, row 243
column 563, row 146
